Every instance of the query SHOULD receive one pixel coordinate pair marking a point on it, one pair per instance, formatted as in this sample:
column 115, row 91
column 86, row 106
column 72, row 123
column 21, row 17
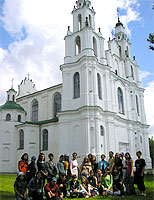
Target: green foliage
column 151, row 40
column 151, row 36
column 7, row 189
column 151, row 145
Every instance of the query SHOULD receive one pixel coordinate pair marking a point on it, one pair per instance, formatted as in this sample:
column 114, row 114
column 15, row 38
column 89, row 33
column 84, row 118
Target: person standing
column 31, row 170
column 94, row 164
column 60, row 165
column 23, row 163
column 102, row 164
column 139, row 174
column 41, row 165
column 111, row 161
column 74, row 165
column 129, row 179
column 51, row 168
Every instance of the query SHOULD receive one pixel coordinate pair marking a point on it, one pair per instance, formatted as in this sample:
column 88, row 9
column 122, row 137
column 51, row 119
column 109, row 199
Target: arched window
column 21, row 139
column 99, row 86
column 140, row 139
column 8, row 97
column 95, row 46
column 45, row 140
column 19, row 118
column 8, row 117
column 77, row 45
column 80, row 22
column 132, row 72
column 101, row 130
column 90, row 23
column 120, row 100
column 76, row 83
column 137, row 106
column 116, row 67
column 13, row 97
column 35, row 111
column 57, row 103
column 120, row 54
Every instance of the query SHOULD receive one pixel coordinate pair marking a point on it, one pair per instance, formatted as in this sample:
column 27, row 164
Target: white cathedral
column 98, row 107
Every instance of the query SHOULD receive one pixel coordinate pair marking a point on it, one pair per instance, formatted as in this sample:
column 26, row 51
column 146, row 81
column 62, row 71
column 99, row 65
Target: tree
column 151, row 37
column 151, row 40
column 151, row 144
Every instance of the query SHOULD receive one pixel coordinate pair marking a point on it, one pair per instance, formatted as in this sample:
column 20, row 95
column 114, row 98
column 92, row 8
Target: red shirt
column 53, row 188
column 22, row 166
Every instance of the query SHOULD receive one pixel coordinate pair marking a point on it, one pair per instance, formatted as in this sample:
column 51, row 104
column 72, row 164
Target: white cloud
column 45, row 23
column 149, row 106
column 42, row 51
column 144, row 74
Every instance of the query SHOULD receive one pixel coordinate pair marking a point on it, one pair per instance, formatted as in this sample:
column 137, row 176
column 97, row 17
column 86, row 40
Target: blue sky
column 32, row 33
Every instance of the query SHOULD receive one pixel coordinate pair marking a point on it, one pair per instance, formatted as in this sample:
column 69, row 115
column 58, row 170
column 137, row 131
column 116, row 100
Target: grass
column 7, row 190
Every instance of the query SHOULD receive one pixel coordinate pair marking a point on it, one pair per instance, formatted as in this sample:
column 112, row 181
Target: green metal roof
column 11, row 105
column 11, row 90
column 119, row 23
column 55, row 119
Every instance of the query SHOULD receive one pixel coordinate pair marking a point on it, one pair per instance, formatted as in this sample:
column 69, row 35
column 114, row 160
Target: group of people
column 115, row 176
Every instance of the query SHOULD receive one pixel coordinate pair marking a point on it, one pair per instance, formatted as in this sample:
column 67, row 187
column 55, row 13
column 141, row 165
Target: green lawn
column 7, row 191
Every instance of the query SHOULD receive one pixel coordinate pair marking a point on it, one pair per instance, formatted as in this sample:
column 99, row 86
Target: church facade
column 98, row 107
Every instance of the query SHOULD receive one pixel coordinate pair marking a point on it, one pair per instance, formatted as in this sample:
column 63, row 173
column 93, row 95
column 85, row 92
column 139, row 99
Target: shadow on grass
column 5, row 195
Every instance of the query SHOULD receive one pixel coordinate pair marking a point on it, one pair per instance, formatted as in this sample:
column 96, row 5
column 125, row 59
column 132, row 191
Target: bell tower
column 83, row 40
column 84, row 49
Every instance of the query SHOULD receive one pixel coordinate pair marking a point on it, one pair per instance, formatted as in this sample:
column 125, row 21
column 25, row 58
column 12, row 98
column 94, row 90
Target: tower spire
column 12, row 83
column 119, row 22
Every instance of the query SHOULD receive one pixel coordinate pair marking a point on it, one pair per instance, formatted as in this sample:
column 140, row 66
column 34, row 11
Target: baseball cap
column 33, row 157
column 54, row 179
column 21, row 173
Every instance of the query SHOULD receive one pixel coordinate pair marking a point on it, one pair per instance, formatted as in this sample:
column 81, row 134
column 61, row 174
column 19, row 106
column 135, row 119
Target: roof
column 119, row 23
column 11, row 105
column 12, row 90
column 55, row 119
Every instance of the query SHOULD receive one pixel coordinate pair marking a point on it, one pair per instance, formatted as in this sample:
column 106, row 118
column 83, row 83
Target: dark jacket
column 74, row 185
column 35, row 186
column 52, row 171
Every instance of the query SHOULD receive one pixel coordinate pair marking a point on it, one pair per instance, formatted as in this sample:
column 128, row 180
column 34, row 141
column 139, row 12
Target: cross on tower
column 12, row 83
column 28, row 76
column 118, row 13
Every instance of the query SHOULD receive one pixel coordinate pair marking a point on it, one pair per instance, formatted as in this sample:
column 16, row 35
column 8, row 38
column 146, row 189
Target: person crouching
column 35, row 187
column 52, row 190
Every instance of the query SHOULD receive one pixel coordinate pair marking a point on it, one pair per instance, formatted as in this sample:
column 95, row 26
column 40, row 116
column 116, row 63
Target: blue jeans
column 19, row 198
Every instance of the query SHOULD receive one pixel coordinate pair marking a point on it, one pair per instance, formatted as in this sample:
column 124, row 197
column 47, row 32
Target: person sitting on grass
column 74, row 187
column 107, row 183
column 62, row 184
column 35, row 187
column 99, row 175
column 118, row 188
column 52, row 190
column 84, row 190
column 92, row 180
column 20, row 187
